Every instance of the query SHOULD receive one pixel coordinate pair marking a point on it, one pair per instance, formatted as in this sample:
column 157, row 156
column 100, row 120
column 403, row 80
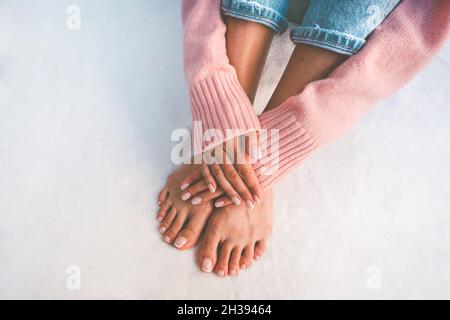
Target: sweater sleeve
column 220, row 108
column 328, row 108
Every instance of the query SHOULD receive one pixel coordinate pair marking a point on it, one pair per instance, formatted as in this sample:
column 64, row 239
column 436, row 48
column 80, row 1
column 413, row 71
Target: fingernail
column 159, row 218
column 218, row 204
column 221, row 273
column 162, row 229
column 236, row 200
column 180, row 241
column 244, row 267
column 185, row 196
column 233, row 272
column 166, row 239
column 196, row 200
column 257, row 199
column 249, row 204
column 211, row 188
column 184, row 186
column 207, row 265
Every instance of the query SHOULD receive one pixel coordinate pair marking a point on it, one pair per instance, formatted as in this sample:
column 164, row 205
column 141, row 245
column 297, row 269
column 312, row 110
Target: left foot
column 181, row 222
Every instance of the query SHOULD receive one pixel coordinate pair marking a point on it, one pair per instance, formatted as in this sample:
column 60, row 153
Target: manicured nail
column 180, row 241
column 236, row 200
column 257, row 257
column 185, row 196
column 162, row 229
column 207, row 265
column 159, row 218
column 257, row 199
column 244, row 266
column 166, row 239
column 233, row 272
column 196, row 200
column 211, row 188
column 249, row 204
column 221, row 273
column 218, row 204
column 184, row 186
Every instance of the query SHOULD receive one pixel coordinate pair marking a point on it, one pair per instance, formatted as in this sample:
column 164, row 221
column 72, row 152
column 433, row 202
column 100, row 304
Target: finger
column 163, row 194
column 250, row 179
column 206, row 196
column 223, row 202
column 210, row 182
column 235, row 180
column 194, row 189
column 224, row 183
column 192, row 177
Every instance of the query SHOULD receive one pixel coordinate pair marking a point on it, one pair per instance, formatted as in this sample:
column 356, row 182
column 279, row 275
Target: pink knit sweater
column 325, row 109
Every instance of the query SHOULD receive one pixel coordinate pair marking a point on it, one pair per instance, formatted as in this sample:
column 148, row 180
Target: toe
column 207, row 254
column 162, row 196
column 188, row 236
column 233, row 267
column 167, row 221
column 163, row 210
column 260, row 247
column 224, row 258
column 247, row 256
column 175, row 227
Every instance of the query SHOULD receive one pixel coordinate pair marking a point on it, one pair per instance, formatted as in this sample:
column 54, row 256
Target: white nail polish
column 166, row 239
column 162, row 229
column 257, row 199
column 218, row 204
column 221, row 273
column 185, row 196
column 211, row 188
column 159, row 219
column 249, row 204
column 207, row 265
column 184, row 186
column 243, row 267
column 196, row 200
column 233, row 272
column 236, row 200
column 180, row 241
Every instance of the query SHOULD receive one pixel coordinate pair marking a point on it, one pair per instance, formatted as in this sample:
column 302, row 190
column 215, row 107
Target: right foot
column 235, row 236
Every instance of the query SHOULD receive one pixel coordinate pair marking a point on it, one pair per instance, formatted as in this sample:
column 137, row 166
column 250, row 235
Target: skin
column 236, row 233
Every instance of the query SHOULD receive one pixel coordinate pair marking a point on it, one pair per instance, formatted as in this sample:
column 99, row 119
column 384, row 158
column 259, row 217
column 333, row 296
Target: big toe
column 189, row 235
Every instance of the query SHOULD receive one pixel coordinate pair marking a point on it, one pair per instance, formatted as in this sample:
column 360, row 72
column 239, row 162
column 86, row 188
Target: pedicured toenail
column 256, row 257
column 159, row 218
column 218, row 204
column 257, row 199
column 184, row 186
column 162, row 229
column 233, row 272
column 166, row 239
column 185, row 196
column 221, row 273
column 249, row 204
column 211, row 188
column 180, row 241
column 244, row 266
column 196, row 200
column 236, row 200
column 207, row 265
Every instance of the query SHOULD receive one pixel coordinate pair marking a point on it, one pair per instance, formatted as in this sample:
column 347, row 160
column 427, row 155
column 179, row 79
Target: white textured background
column 85, row 123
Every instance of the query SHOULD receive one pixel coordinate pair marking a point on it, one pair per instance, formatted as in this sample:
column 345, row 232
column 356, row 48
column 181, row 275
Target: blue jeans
column 338, row 25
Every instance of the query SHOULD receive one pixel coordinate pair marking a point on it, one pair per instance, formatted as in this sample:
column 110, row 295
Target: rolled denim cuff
column 253, row 11
column 333, row 40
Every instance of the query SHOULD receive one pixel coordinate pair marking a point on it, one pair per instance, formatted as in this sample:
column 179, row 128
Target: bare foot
column 235, row 236
column 181, row 222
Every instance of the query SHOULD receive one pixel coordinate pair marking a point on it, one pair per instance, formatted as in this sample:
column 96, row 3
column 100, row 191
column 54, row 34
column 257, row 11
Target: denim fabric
column 338, row 25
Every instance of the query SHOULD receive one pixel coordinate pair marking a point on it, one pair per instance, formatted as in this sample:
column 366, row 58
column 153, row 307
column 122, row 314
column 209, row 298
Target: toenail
column 159, row 218
column 185, row 196
column 218, row 204
column 221, row 273
column 207, row 265
column 233, row 272
column 244, row 266
column 257, row 199
column 249, row 204
column 236, row 200
column 256, row 257
column 196, row 200
column 166, row 239
column 162, row 229
column 180, row 241
column 184, row 186
column 211, row 188
column 159, row 203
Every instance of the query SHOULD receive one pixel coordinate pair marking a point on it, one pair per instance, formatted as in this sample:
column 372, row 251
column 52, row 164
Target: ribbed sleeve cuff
column 220, row 110
column 284, row 142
